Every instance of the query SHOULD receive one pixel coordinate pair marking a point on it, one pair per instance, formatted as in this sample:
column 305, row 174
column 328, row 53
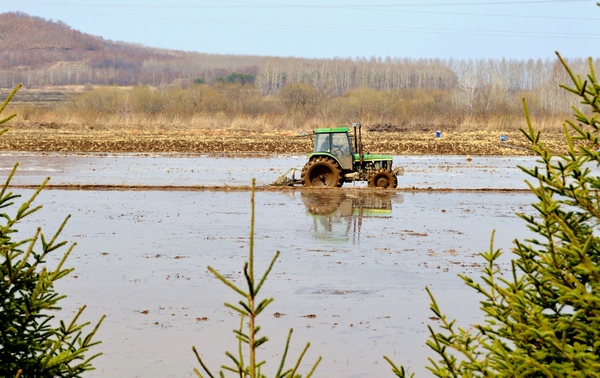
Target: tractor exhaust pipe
column 355, row 137
column 358, row 141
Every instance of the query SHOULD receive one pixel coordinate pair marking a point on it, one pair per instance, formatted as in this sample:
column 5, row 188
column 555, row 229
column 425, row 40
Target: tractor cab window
column 341, row 145
column 337, row 144
column 323, row 143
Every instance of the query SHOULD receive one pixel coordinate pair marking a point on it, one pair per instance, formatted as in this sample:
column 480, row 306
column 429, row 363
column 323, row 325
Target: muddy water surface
column 350, row 278
column 421, row 172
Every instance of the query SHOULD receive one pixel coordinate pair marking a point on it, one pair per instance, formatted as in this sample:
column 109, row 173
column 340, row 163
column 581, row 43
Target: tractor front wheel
column 383, row 178
column 322, row 171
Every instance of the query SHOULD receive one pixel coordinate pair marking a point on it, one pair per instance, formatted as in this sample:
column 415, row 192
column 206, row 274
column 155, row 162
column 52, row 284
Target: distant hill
column 33, row 41
column 40, row 52
column 43, row 53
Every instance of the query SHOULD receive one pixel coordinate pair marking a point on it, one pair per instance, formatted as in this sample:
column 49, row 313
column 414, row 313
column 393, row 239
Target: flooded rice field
column 422, row 172
column 350, row 278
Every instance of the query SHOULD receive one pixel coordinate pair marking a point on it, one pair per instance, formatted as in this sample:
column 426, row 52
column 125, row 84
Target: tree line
column 310, row 85
column 393, row 91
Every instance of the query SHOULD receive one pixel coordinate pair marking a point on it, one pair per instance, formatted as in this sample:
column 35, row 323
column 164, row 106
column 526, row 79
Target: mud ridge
column 265, row 188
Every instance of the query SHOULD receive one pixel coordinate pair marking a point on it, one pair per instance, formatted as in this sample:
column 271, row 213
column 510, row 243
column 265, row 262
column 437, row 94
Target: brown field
column 35, row 136
column 44, row 123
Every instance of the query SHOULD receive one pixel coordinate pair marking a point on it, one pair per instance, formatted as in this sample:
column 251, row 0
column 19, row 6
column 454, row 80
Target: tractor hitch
column 398, row 171
column 288, row 178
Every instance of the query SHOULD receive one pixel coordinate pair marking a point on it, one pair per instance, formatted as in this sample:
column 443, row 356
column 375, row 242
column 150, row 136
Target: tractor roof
column 332, row 130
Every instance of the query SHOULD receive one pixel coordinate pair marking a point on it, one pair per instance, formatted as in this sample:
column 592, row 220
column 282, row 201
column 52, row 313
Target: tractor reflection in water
column 338, row 215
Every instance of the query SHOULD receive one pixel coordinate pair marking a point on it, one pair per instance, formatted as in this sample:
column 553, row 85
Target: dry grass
column 273, row 122
column 51, row 126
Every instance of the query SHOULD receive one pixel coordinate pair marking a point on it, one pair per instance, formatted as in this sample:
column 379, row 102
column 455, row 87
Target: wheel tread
column 320, row 161
column 376, row 175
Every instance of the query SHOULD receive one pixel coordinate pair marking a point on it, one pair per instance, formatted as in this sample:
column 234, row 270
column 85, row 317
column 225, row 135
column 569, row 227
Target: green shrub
column 95, row 102
column 147, row 100
column 31, row 343
column 544, row 318
column 300, row 98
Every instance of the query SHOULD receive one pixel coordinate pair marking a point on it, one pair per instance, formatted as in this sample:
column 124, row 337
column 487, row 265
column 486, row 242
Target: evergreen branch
column 399, row 371
column 7, row 183
column 28, row 252
column 49, row 247
column 236, row 309
column 6, row 119
column 24, row 209
column 249, row 281
column 299, row 360
column 65, row 332
column 7, row 100
column 251, row 241
column 206, row 370
column 314, row 367
column 284, row 354
column 264, row 277
column 58, row 272
column 262, row 305
column 530, row 133
column 240, row 344
column 226, row 282
column 87, row 341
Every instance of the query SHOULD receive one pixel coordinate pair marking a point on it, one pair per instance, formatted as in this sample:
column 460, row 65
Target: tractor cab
column 336, row 142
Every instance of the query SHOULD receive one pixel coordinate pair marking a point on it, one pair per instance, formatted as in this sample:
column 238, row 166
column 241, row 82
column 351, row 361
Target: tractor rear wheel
column 322, row 171
column 383, row 178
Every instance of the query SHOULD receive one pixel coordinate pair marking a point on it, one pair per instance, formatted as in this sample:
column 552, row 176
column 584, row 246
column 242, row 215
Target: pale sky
column 444, row 29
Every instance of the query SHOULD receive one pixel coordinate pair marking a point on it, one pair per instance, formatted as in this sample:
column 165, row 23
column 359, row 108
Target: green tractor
column 338, row 158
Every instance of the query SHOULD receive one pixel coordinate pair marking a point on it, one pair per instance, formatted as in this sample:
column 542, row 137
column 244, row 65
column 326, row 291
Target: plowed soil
column 28, row 136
